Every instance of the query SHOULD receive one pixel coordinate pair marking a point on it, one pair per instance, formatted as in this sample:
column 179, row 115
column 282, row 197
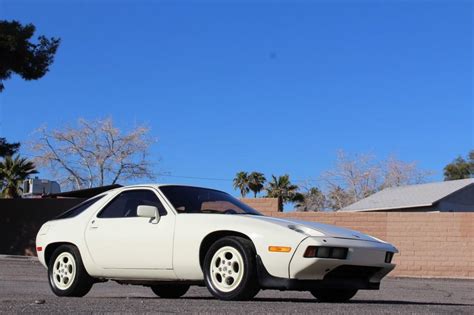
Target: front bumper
column 361, row 253
column 363, row 268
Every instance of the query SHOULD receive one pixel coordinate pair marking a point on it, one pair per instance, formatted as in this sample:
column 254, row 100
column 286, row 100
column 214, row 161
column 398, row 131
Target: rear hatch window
column 74, row 211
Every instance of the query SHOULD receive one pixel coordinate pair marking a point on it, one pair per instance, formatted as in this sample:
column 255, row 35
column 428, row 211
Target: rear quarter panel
column 72, row 231
column 63, row 231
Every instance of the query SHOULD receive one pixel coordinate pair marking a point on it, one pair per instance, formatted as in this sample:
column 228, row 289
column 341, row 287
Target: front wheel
column 334, row 295
column 230, row 269
column 66, row 273
column 170, row 291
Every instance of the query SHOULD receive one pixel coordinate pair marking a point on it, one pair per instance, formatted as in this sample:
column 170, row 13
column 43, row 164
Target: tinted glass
column 201, row 200
column 125, row 205
column 79, row 208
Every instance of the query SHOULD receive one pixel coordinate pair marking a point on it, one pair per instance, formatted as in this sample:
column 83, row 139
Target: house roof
column 412, row 196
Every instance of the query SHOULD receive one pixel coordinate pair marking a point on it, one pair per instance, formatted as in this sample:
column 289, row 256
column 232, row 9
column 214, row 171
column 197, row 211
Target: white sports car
column 169, row 237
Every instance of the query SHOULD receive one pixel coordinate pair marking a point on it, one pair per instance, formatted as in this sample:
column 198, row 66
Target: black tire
column 334, row 295
column 81, row 282
column 248, row 286
column 170, row 291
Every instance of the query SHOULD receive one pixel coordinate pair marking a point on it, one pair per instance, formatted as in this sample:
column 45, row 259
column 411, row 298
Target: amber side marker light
column 279, row 249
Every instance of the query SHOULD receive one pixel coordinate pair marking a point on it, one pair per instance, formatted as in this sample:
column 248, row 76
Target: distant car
column 169, row 237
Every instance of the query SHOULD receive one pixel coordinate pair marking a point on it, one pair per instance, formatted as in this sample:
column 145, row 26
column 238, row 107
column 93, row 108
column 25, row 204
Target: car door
column 118, row 239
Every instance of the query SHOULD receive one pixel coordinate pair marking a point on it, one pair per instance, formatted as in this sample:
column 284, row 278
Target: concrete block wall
column 266, row 206
column 433, row 245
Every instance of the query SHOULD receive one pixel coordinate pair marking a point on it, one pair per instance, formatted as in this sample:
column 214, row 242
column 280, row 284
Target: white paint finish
column 65, row 231
column 191, row 229
column 320, row 229
column 138, row 246
column 72, row 231
column 131, row 243
column 361, row 253
column 148, row 212
column 139, row 249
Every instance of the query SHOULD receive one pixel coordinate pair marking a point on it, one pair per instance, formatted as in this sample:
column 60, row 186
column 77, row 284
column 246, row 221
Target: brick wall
column 266, row 206
column 430, row 244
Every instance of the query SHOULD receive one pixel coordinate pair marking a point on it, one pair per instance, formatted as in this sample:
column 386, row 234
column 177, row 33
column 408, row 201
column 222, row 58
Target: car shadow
column 355, row 301
column 395, row 302
column 298, row 300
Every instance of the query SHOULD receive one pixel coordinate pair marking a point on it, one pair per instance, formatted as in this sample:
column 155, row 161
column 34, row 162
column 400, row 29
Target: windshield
column 201, row 200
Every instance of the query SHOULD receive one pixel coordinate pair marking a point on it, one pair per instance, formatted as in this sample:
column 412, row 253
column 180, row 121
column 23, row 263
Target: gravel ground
column 23, row 284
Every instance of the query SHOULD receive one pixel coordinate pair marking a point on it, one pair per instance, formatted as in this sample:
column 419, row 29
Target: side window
column 126, row 203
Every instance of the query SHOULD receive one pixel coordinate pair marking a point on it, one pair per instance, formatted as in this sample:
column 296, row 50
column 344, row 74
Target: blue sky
column 277, row 87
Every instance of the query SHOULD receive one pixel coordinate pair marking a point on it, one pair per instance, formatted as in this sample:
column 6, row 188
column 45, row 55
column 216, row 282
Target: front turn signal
column 279, row 249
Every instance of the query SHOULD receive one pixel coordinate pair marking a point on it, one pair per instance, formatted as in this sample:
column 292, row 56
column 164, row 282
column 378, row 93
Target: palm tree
column 13, row 171
column 256, row 182
column 284, row 190
column 241, row 182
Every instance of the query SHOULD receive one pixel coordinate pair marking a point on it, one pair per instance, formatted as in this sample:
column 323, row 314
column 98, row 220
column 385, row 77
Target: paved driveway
column 23, row 281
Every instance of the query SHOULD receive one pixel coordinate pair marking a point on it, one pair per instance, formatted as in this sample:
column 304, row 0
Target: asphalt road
column 23, row 283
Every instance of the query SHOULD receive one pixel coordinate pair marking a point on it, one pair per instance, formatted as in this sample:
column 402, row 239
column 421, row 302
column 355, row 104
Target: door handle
column 93, row 226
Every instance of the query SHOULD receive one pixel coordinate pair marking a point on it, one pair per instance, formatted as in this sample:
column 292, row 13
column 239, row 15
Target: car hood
column 316, row 229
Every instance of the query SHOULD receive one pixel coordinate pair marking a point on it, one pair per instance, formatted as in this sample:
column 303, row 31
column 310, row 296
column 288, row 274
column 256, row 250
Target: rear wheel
column 66, row 273
column 334, row 295
column 170, row 291
column 230, row 269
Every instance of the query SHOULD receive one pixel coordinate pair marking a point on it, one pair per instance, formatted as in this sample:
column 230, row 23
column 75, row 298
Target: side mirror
column 148, row 212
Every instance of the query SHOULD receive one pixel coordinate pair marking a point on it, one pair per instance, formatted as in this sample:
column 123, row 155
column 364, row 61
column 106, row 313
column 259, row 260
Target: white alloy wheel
column 64, row 271
column 227, row 269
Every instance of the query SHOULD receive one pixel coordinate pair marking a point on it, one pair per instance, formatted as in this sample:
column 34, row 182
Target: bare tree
column 95, row 153
column 338, row 198
column 358, row 176
column 313, row 198
column 400, row 173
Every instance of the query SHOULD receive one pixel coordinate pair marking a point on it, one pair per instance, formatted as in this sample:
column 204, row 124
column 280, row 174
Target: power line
column 195, row 177
column 229, row 180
